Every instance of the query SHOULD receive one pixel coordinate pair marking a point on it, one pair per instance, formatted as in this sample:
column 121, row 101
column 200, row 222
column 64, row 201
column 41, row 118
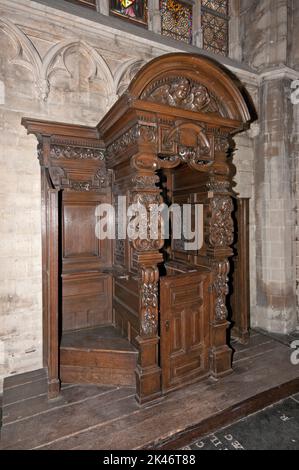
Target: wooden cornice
column 60, row 129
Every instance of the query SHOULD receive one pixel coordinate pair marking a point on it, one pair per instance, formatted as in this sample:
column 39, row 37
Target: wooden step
column 97, row 355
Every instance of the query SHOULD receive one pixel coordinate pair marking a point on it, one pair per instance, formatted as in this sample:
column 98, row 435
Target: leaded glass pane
column 133, row 10
column 215, row 32
column 221, row 6
column 176, row 20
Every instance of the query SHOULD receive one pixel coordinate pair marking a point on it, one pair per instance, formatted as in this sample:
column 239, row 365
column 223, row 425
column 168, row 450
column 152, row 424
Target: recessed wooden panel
column 184, row 314
column 81, row 249
column 79, row 230
column 185, row 178
column 87, row 300
column 181, row 296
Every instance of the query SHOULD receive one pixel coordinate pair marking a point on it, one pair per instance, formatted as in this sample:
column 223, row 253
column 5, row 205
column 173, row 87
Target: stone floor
column 284, row 339
column 274, row 428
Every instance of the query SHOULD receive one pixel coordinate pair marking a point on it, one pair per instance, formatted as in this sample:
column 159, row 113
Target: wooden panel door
column 184, row 328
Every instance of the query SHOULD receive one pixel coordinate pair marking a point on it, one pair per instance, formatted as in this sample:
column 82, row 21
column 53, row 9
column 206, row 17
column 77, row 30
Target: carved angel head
column 180, row 90
column 201, row 97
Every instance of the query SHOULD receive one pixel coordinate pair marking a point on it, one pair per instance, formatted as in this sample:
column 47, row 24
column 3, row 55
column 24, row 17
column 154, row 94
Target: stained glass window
column 176, row 20
column 133, row 10
column 214, row 23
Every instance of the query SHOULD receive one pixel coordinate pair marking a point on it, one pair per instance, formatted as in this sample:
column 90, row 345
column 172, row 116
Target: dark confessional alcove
column 145, row 312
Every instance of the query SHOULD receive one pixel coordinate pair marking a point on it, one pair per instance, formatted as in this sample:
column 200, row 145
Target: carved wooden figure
column 141, row 311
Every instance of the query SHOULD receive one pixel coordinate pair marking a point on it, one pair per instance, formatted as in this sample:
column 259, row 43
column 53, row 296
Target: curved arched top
column 190, row 81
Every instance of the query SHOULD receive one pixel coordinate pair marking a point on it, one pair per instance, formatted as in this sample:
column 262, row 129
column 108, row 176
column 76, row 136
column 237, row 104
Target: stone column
column 269, row 33
column 103, row 7
column 154, row 16
column 275, row 214
column 197, row 39
column 235, row 51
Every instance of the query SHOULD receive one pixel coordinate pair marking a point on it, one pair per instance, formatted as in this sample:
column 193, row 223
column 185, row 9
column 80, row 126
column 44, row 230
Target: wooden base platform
column 98, row 355
column 103, row 417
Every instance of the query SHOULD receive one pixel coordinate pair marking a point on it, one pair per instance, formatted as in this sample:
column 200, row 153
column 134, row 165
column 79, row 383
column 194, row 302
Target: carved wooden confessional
column 142, row 311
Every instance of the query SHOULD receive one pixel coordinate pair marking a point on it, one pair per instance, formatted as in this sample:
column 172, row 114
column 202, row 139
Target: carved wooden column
column 147, row 257
column 220, row 239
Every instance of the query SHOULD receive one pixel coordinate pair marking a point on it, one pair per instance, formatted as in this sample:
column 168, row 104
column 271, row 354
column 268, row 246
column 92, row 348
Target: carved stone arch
column 163, row 79
column 55, row 60
column 125, row 74
column 42, row 68
column 26, row 54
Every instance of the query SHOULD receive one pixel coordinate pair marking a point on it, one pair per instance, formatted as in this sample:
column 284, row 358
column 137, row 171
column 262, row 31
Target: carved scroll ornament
column 149, row 243
column 175, row 151
column 62, row 180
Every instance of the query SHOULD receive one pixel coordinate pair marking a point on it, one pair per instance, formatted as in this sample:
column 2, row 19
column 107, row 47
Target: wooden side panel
column 189, row 187
column 81, row 249
column 50, row 227
column 86, row 292
column 126, row 305
column 184, row 310
column 240, row 299
column 87, row 300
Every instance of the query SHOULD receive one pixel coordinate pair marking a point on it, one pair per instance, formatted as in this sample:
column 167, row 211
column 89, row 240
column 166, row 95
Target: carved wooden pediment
column 184, row 93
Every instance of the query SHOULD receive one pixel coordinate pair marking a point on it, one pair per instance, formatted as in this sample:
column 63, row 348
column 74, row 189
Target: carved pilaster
column 219, row 241
column 221, row 222
column 148, row 372
column 147, row 256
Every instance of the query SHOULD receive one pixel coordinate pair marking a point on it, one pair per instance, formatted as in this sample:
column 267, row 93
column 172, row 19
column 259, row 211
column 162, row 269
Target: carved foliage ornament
column 221, row 223
column 145, row 181
column 182, row 93
column 80, row 186
column 138, row 133
column 221, row 143
column 76, row 153
column 149, row 301
column 218, row 186
column 221, row 271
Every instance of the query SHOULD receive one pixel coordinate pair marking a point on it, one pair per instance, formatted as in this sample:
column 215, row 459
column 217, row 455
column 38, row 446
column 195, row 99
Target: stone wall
column 294, row 134
column 269, row 36
column 56, row 66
